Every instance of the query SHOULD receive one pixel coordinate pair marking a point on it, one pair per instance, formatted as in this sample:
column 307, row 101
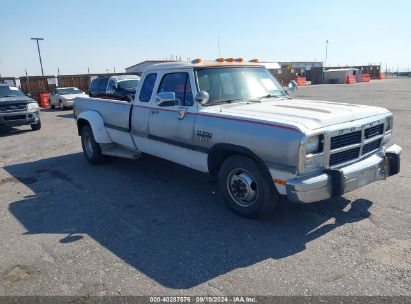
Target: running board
column 121, row 152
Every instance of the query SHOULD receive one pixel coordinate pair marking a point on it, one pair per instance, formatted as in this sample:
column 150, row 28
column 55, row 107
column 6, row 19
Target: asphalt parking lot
column 151, row 227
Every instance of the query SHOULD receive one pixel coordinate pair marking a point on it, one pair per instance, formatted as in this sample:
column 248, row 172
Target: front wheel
column 91, row 148
column 245, row 189
column 51, row 105
column 36, row 126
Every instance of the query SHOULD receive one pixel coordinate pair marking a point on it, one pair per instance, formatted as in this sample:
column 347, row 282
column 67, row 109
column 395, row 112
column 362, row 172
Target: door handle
column 154, row 111
column 182, row 113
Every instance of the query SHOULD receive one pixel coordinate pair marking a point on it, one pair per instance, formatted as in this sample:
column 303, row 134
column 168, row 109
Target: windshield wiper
column 266, row 96
column 227, row 100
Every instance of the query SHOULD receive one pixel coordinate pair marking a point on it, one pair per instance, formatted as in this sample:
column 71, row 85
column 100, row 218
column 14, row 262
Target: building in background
column 306, row 65
column 302, row 68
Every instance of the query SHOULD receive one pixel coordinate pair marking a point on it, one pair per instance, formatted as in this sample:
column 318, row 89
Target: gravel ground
column 151, row 227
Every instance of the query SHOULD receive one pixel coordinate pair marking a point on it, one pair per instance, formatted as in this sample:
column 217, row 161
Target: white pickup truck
column 232, row 119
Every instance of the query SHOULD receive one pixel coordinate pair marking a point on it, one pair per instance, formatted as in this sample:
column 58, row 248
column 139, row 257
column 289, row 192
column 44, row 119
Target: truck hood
column 17, row 99
column 310, row 114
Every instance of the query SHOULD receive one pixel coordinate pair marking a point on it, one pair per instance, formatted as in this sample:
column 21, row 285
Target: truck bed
column 115, row 113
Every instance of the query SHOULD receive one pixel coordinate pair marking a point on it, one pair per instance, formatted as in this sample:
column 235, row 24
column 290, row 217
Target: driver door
column 174, row 124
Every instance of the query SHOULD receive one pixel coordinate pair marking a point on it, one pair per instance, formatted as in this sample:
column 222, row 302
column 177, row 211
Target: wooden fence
column 40, row 84
column 285, row 74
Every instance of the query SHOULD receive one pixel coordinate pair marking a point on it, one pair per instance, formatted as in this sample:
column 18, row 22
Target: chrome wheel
column 88, row 145
column 242, row 187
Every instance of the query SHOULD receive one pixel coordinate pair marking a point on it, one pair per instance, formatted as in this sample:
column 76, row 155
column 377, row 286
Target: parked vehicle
column 17, row 109
column 235, row 121
column 114, row 87
column 64, row 97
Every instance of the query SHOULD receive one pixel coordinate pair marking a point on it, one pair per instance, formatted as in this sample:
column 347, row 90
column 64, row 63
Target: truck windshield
column 233, row 84
column 6, row 91
column 128, row 84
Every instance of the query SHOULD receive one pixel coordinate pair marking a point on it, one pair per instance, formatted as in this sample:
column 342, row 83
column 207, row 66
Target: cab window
column 103, row 84
column 147, row 87
column 179, row 83
column 111, row 85
column 95, row 83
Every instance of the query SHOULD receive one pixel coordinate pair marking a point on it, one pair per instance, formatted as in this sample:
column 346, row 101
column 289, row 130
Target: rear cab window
column 95, row 83
column 147, row 88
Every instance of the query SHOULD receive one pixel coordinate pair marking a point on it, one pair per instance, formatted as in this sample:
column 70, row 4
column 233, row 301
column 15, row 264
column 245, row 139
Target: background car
column 64, row 97
column 18, row 109
column 121, row 87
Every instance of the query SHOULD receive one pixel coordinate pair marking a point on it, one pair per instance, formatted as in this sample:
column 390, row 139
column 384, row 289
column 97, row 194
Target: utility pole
column 58, row 71
column 114, row 68
column 218, row 46
column 28, row 81
column 326, row 53
column 38, row 49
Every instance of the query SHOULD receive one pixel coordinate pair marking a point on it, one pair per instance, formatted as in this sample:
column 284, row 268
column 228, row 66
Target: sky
column 102, row 35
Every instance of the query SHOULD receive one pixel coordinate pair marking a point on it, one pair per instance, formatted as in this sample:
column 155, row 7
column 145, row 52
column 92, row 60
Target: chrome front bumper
column 335, row 182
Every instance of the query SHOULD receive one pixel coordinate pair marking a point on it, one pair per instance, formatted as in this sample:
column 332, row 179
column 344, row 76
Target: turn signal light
column 220, row 59
column 230, row 59
column 240, row 60
column 198, row 60
column 254, row 60
column 280, row 182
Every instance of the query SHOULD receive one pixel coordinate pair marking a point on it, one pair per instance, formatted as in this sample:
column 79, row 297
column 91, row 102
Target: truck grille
column 13, row 107
column 14, row 117
column 352, row 138
column 374, row 145
column 344, row 156
column 345, row 140
column 374, row 131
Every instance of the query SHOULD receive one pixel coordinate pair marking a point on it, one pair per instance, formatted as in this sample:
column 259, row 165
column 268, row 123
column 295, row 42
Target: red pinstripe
column 227, row 118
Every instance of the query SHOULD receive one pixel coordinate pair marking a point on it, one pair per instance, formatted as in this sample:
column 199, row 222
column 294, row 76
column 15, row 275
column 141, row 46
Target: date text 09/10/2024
column 202, row 299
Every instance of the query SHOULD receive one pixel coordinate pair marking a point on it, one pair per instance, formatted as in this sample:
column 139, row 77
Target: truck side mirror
column 202, row 97
column 166, row 99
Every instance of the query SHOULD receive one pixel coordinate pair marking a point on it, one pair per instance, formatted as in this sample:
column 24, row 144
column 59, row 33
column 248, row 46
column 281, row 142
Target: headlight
column 388, row 123
column 32, row 106
column 313, row 144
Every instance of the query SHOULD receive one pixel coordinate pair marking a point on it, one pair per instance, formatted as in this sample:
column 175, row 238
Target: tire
column 36, row 126
column 51, row 105
column 245, row 189
column 61, row 106
column 91, row 148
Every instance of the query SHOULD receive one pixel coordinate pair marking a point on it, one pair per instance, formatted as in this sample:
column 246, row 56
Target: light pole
column 326, row 53
column 38, row 49
column 218, row 46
